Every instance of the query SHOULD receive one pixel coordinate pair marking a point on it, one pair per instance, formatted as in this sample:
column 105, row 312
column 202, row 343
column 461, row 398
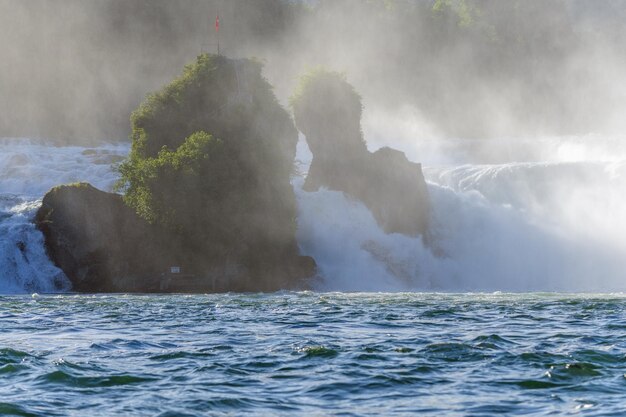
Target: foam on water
column 28, row 169
column 512, row 215
column 548, row 218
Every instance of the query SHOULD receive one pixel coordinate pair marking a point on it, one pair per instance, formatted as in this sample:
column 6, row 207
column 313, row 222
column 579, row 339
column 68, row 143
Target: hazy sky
column 75, row 69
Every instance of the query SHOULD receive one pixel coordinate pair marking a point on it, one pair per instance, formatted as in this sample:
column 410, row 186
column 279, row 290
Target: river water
column 310, row 354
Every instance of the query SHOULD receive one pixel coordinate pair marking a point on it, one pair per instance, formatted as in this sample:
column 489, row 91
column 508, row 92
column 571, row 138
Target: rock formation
column 206, row 187
column 98, row 242
column 328, row 111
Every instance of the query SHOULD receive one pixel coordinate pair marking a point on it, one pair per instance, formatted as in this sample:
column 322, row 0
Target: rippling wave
column 313, row 354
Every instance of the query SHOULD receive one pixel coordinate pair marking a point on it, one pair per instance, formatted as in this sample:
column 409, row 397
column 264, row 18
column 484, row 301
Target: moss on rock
column 209, row 174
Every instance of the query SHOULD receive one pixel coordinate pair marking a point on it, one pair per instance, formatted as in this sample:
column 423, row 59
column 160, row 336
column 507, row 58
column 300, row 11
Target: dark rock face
column 328, row 112
column 103, row 246
column 98, row 242
column 391, row 186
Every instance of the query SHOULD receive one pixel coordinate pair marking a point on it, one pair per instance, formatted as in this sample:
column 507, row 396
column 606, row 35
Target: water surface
column 313, row 354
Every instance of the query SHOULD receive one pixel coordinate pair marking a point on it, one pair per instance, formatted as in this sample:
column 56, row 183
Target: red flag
column 217, row 23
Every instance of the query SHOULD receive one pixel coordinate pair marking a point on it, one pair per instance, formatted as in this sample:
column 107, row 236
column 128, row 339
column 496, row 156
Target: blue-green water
column 313, row 354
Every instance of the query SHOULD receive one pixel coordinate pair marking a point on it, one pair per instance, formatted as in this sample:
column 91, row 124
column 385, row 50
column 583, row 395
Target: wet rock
column 98, row 242
column 328, row 111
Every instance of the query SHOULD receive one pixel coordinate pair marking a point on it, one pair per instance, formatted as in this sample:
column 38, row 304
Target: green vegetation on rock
column 206, row 187
column 211, row 161
column 321, row 77
column 464, row 11
column 157, row 187
column 325, row 105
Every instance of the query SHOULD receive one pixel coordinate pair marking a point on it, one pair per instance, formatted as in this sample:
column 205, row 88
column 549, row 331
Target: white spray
column 509, row 215
column 545, row 214
column 27, row 170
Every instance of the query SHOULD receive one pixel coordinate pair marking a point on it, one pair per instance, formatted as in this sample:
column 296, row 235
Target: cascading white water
column 543, row 215
column 510, row 215
column 27, row 170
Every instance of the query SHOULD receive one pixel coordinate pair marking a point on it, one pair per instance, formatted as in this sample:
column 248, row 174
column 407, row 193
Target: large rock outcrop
column 206, row 187
column 98, row 242
column 328, row 111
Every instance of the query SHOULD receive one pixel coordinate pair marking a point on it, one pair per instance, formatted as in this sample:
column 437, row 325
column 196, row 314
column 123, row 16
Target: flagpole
column 217, row 30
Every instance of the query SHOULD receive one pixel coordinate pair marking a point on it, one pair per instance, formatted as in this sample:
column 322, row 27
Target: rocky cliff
column 328, row 111
column 98, row 242
column 206, row 187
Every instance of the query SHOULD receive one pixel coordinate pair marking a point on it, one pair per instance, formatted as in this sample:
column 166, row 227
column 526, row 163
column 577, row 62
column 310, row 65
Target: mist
column 73, row 70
